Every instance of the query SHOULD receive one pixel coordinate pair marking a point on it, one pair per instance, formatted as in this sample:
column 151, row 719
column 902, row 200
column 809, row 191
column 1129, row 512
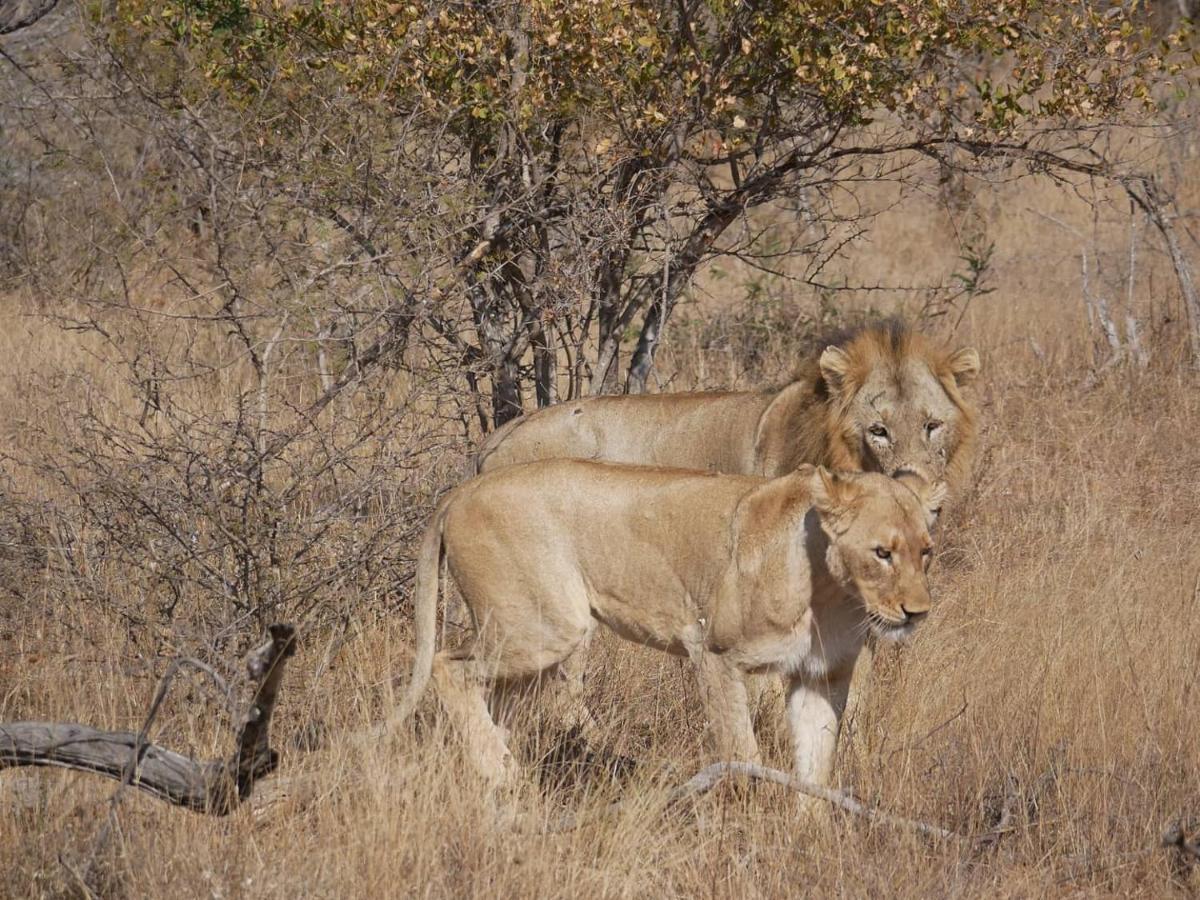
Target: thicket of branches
column 533, row 185
column 304, row 249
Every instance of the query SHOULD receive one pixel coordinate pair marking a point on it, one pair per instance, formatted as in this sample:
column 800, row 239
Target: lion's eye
column 878, row 430
column 932, row 425
column 883, row 553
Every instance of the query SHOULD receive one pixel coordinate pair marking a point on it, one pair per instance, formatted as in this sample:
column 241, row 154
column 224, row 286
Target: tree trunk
column 604, row 379
column 506, row 394
column 545, row 368
column 1152, row 201
column 680, row 272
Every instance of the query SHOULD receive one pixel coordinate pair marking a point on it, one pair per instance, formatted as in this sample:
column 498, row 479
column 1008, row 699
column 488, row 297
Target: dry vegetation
column 1060, row 666
column 1052, row 687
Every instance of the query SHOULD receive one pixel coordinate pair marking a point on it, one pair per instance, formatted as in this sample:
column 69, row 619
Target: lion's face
column 899, row 415
column 880, row 548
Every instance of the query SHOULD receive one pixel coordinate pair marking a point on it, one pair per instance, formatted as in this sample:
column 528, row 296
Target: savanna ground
column 1055, row 677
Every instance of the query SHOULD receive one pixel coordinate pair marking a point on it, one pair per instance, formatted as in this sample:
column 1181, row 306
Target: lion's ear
column 831, row 493
column 933, row 498
column 964, row 364
column 835, row 366
column 824, row 489
column 932, row 495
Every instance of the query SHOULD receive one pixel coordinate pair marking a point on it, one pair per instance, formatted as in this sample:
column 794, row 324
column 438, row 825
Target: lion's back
column 687, row 430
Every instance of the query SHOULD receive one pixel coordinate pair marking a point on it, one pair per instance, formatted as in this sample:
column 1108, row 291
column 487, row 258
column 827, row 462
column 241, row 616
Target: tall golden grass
column 1054, row 679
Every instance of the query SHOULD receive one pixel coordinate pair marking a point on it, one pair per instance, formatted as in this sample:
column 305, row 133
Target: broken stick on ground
column 215, row 787
column 708, row 778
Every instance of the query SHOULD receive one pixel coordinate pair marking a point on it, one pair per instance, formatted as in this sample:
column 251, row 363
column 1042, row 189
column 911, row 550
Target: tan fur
column 883, row 374
column 739, row 574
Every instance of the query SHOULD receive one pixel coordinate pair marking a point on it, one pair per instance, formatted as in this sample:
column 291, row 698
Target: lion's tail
column 425, row 607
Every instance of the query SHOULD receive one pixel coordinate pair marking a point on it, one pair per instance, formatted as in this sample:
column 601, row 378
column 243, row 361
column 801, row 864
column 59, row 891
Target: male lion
column 740, row 574
column 879, row 399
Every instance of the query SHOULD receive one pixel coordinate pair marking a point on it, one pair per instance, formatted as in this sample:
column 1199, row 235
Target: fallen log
column 214, row 787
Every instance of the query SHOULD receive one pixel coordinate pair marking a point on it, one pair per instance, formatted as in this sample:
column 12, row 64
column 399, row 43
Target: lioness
column 880, row 399
column 739, row 574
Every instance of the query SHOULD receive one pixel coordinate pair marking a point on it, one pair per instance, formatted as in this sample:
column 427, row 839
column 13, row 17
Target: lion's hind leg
column 568, row 701
column 462, row 686
column 481, row 681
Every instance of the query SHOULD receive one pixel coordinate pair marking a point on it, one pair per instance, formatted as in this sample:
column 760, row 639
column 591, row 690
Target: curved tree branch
column 18, row 14
column 215, row 787
column 708, row 778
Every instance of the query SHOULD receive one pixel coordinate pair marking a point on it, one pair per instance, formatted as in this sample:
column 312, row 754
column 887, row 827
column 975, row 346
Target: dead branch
column 19, row 14
column 1154, row 202
column 215, row 787
column 1004, row 821
column 1184, row 836
column 708, row 778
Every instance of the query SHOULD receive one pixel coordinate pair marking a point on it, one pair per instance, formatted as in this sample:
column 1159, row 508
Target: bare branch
column 708, row 778
column 215, row 787
column 1146, row 193
column 18, row 14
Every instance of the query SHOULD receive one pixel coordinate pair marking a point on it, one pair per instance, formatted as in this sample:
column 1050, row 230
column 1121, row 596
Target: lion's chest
column 813, row 647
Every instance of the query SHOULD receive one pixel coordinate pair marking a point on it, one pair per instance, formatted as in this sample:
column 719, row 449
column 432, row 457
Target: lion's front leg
column 864, row 673
column 814, row 711
column 723, row 690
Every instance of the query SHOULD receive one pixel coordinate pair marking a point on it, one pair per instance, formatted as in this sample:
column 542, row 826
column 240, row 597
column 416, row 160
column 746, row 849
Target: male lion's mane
column 809, row 418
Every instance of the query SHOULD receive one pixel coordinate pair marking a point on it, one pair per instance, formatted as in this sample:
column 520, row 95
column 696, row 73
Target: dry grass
column 1055, row 675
